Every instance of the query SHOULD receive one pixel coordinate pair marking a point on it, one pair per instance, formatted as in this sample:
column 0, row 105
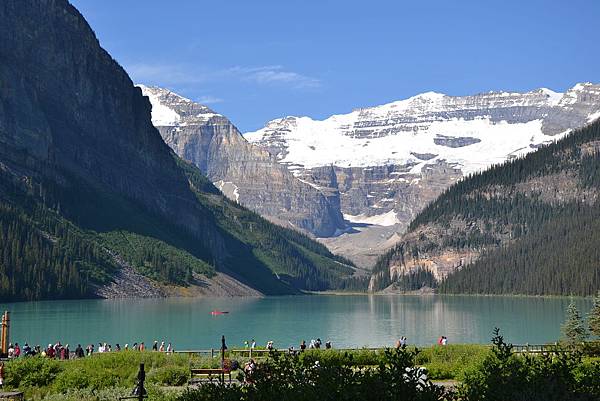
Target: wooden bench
column 11, row 395
column 199, row 375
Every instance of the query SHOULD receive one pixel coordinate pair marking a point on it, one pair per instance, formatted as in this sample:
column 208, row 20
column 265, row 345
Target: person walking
column 169, row 348
column 2, row 375
column 62, row 353
column 79, row 351
column 50, row 351
column 155, row 346
column 303, row 345
column 162, row 346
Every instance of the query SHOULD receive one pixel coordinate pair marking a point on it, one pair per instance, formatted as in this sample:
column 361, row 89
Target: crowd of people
column 313, row 344
column 63, row 352
column 402, row 342
column 60, row 351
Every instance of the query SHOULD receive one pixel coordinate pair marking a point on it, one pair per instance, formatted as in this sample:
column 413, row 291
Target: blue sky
column 258, row 60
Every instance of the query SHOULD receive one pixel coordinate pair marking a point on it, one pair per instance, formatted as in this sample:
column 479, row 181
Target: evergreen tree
column 573, row 329
column 594, row 317
column 527, row 233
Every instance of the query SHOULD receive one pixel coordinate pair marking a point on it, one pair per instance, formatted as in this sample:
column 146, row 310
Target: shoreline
column 417, row 293
column 184, row 295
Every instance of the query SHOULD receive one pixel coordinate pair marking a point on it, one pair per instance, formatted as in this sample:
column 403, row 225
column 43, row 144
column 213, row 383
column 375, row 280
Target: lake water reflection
column 348, row 321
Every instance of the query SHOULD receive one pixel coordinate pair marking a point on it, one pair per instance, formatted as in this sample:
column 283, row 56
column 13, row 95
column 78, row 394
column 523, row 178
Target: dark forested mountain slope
column 88, row 188
column 529, row 226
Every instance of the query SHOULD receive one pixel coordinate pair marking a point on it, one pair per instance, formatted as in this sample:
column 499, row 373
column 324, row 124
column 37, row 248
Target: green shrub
column 110, row 394
column 71, row 379
column 300, row 378
column 506, row 376
column 451, row 361
column 170, row 376
column 31, row 372
column 339, row 358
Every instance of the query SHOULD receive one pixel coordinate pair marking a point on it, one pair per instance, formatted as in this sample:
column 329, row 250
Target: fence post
column 223, row 348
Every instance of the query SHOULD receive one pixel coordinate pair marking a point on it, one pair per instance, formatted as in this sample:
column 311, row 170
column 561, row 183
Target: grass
column 109, row 375
column 451, row 361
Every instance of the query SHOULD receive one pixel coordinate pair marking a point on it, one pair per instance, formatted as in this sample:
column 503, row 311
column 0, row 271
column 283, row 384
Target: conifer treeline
column 53, row 264
column 295, row 258
column 532, row 244
column 59, row 242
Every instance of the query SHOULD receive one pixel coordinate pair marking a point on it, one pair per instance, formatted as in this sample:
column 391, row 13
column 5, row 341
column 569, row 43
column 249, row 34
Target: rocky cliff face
column 68, row 109
column 392, row 160
column 244, row 172
column 94, row 190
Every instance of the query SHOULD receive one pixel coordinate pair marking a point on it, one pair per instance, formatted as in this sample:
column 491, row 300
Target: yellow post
column 4, row 335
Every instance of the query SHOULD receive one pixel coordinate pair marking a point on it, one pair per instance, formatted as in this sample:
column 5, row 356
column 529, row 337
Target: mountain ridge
column 88, row 187
column 392, row 160
column 243, row 172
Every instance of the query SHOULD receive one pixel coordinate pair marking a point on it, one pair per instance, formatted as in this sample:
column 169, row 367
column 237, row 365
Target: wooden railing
column 259, row 353
column 214, row 352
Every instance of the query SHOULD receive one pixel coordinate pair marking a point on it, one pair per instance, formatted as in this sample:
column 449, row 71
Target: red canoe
column 218, row 312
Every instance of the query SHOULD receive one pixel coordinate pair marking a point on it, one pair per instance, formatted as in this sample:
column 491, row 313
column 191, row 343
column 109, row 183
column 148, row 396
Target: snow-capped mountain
column 471, row 131
column 391, row 160
column 243, row 172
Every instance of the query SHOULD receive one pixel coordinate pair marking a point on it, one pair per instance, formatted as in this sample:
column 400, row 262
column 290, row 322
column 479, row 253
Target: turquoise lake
column 347, row 321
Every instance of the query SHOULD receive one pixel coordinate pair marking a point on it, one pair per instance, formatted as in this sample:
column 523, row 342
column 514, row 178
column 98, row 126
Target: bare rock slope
column 244, row 172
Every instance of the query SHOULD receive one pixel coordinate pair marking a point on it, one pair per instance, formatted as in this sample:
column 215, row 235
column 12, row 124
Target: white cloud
column 166, row 74
column 275, row 74
column 209, row 100
column 180, row 74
